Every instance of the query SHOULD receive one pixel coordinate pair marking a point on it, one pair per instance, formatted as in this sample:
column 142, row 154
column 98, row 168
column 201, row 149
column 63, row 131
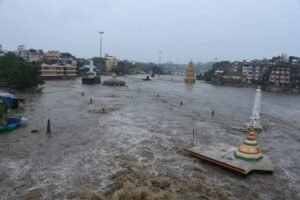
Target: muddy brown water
column 128, row 143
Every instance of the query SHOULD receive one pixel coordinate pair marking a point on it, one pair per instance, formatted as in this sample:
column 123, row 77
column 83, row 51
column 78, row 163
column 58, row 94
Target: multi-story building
column 110, row 62
column 257, row 72
column 22, row 52
column 281, row 75
column 56, row 71
column 294, row 60
column 35, row 58
column 247, row 72
column 53, row 56
column 260, row 68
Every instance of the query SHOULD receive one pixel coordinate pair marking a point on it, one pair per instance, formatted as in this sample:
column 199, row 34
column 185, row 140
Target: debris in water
column 34, row 131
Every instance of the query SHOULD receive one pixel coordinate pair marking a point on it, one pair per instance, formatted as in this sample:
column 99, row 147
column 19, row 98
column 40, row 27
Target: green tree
column 18, row 73
column 156, row 69
column 100, row 62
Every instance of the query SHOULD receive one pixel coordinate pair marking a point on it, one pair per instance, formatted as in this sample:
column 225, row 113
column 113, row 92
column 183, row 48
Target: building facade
column 247, row 72
column 52, row 56
column 110, row 62
column 280, row 75
column 56, row 71
column 22, row 52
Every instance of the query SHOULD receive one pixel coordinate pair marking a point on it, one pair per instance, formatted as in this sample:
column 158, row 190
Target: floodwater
column 128, row 143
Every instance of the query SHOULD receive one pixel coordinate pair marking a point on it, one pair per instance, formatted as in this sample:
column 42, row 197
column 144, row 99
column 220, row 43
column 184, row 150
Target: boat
column 12, row 123
column 146, row 79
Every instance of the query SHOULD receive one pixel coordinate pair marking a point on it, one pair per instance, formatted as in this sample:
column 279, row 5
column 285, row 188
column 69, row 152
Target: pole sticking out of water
column 91, row 100
column 181, row 103
column 212, row 113
column 82, row 94
column 48, row 127
column 193, row 136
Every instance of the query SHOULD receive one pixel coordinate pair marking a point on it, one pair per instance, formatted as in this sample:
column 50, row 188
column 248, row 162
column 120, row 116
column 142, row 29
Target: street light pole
column 159, row 57
column 101, row 32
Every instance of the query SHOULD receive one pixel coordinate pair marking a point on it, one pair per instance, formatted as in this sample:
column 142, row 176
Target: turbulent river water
column 128, row 143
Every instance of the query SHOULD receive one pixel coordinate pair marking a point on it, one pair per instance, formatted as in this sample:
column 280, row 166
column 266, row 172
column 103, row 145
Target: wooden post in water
column 48, row 127
column 193, row 136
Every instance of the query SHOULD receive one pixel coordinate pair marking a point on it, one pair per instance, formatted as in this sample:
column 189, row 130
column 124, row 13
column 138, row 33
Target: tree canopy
column 17, row 73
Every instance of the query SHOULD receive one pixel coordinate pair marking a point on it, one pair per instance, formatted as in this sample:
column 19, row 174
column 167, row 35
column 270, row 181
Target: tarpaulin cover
column 11, row 101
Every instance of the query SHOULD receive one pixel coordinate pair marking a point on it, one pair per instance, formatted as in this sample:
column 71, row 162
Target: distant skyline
column 201, row 30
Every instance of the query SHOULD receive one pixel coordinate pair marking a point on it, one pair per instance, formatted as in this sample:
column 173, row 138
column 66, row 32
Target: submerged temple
column 249, row 150
column 190, row 74
column 114, row 82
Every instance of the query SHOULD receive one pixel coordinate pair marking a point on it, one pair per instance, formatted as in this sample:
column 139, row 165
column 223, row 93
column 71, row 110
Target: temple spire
column 255, row 118
column 190, row 74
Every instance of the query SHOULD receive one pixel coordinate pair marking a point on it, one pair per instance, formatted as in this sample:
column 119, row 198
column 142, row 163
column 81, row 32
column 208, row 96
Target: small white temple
column 255, row 118
column 91, row 71
column 91, row 77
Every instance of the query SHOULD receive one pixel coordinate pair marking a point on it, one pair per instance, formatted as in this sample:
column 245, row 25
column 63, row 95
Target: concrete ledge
column 223, row 155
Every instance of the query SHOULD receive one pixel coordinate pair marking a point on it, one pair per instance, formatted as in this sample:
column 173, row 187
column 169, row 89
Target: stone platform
column 223, row 155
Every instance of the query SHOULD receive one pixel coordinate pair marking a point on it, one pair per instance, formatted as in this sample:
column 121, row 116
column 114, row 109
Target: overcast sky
column 201, row 30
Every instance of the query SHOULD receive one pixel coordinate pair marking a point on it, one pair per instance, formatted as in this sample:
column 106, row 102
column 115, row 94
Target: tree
column 156, row 69
column 100, row 62
column 221, row 65
column 18, row 73
column 66, row 55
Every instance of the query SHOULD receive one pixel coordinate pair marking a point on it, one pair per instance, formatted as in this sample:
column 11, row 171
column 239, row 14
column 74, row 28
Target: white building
column 22, row 52
column 110, row 62
column 247, row 71
column 285, row 57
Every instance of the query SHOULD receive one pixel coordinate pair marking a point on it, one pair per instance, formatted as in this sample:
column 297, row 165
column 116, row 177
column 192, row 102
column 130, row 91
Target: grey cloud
column 135, row 29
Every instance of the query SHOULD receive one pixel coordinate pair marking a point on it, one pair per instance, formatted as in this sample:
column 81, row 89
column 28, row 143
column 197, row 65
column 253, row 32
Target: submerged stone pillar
column 48, row 127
